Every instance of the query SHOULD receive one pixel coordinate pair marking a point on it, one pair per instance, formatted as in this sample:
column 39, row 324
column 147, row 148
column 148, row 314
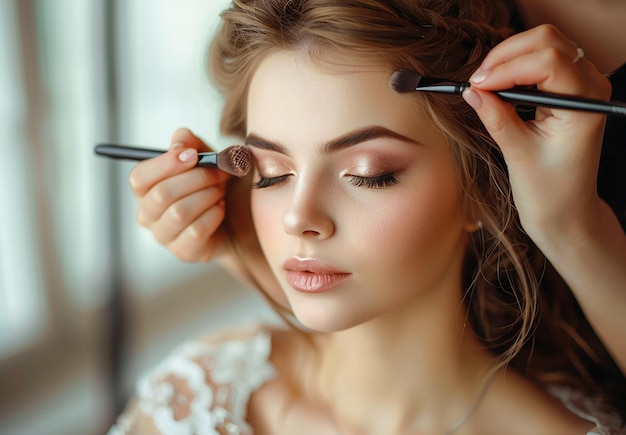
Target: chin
column 324, row 319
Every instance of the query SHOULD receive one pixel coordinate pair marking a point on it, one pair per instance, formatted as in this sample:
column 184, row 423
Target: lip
column 313, row 276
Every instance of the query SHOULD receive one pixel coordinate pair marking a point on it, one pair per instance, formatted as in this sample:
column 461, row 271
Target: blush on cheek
column 266, row 223
column 433, row 221
column 269, row 282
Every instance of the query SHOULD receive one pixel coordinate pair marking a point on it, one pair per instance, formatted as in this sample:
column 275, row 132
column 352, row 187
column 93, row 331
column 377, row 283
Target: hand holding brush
column 235, row 160
column 180, row 202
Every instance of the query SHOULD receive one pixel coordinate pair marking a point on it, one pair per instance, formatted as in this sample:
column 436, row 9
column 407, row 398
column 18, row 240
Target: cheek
column 422, row 224
column 268, row 228
column 267, row 219
column 419, row 221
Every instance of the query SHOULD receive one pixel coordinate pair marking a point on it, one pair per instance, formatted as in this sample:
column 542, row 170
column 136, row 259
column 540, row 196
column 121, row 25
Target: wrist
column 576, row 230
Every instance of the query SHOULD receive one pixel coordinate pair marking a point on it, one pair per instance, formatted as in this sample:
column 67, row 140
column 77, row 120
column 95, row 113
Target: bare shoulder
column 517, row 406
column 286, row 403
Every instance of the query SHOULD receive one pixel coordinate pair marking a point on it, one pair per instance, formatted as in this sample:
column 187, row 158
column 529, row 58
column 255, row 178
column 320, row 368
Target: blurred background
column 88, row 300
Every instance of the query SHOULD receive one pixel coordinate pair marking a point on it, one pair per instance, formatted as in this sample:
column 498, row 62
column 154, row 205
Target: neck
column 417, row 367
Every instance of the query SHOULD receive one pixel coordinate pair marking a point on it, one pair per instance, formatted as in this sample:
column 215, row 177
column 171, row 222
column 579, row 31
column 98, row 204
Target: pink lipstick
column 313, row 276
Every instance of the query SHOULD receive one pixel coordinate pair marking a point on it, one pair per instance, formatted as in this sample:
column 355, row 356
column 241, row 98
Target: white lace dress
column 203, row 389
column 200, row 389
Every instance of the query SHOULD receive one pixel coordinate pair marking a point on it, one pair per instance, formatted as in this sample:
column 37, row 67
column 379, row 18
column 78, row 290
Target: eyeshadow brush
column 409, row 81
column 236, row 160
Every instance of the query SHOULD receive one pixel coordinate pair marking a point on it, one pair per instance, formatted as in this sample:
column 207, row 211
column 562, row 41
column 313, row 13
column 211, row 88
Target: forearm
column 591, row 258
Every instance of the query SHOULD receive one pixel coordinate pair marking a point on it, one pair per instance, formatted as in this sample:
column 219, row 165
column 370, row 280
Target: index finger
column 535, row 39
column 151, row 171
column 186, row 137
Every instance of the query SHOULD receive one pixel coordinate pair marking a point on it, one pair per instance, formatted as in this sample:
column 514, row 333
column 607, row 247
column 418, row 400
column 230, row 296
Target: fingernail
column 176, row 145
column 472, row 98
column 187, row 155
column 479, row 76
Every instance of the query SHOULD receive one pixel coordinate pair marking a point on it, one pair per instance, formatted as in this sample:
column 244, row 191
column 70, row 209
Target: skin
column 565, row 217
column 434, row 388
column 595, row 25
column 181, row 204
column 413, row 239
column 404, row 292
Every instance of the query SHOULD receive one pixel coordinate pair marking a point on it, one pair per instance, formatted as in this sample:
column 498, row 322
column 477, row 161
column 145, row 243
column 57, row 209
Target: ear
column 473, row 221
column 473, row 225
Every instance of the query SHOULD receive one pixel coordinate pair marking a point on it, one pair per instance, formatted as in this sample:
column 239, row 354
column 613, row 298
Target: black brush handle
column 531, row 97
column 557, row 101
column 124, row 152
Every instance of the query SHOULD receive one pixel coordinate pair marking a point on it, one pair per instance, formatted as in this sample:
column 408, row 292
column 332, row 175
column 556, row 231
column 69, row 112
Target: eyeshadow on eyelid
column 270, row 167
column 374, row 162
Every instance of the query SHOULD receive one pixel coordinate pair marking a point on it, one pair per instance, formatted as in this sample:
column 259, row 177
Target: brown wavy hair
column 517, row 304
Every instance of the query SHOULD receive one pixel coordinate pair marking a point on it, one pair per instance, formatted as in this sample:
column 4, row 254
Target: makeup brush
column 236, row 160
column 409, row 81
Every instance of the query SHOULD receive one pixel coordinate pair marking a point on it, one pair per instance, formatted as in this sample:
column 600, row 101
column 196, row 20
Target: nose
column 307, row 215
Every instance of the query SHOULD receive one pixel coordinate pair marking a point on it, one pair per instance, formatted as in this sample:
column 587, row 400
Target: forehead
column 293, row 97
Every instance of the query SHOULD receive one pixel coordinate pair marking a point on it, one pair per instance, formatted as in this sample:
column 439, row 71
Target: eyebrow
column 347, row 140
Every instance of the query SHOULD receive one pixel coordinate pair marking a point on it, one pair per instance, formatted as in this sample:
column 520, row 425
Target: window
column 22, row 304
column 78, row 73
column 56, row 105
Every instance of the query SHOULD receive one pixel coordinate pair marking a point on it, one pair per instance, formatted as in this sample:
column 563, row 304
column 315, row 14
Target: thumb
column 501, row 121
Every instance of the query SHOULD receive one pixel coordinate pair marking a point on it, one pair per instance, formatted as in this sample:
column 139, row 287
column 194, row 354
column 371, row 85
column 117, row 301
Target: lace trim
column 590, row 409
column 203, row 389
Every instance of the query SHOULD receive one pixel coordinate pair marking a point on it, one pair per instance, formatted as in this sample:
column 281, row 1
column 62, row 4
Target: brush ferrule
column 207, row 159
column 445, row 88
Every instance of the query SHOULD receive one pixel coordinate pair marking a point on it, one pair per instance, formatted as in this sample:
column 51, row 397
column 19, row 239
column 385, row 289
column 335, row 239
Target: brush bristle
column 237, row 160
column 404, row 81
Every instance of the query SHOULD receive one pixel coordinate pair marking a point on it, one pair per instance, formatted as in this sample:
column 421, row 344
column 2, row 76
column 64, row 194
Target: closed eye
column 269, row 182
column 377, row 182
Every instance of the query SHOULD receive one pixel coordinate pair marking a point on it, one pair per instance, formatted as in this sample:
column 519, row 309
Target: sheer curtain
column 22, row 304
column 74, row 73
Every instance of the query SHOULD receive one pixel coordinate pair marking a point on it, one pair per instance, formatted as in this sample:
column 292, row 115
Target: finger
column 151, row 171
column 549, row 69
column 535, row 39
column 185, row 137
column 184, row 212
column 507, row 64
column 198, row 241
column 502, row 123
column 170, row 190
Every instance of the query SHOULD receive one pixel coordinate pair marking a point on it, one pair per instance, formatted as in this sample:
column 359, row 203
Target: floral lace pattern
column 203, row 389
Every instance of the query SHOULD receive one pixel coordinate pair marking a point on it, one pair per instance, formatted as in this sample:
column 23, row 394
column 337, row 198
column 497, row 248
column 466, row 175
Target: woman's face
column 357, row 204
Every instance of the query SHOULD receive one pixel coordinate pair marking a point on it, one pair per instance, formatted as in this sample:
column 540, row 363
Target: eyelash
column 377, row 182
column 269, row 182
